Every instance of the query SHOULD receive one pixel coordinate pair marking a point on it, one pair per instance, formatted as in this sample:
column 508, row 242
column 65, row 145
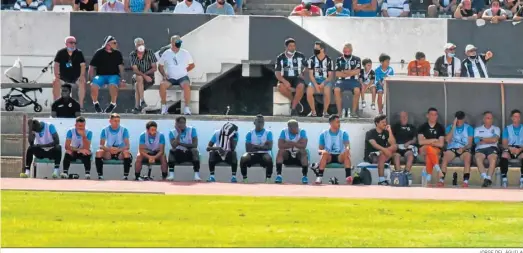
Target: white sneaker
column 164, row 109
column 187, row 110
column 63, row 175
column 504, row 183
column 171, row 176
column 55, row 175
column 373, row 106
column 197, row 176
column 318, row 180
column 87, row 177
column 363, row 104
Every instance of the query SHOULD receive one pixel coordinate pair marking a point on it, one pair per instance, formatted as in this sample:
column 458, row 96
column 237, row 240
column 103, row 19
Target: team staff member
column 486, row 138
column 222, row 148
column 347, row 70
column 69, row 67
column 405, row 135
column 78, row 147
column 292, row 146
column 65, row 106
column 512, row 146
column 184, row 147
column 448, row 64
column 459, row 142
column 258, row 144
column 114, row 145
column 431, row 138
column 320, row 73
column 143, row 62
column 380, row 145
column 475, row 65
column 108, row 62
column 288, row 70
column 43, row 143
column 175, row 64
column 334, row 147
column 151, row 150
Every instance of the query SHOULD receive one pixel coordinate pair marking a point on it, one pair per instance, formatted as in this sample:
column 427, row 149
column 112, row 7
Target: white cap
column 469, row 47
column 449, row 46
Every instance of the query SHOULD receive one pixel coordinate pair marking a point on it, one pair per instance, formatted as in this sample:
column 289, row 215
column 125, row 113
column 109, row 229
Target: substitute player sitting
column 184, row 148
column 258, row 144
column 459, row 142
column 512, row 147
column 292, row 146
column 380, row 145
column 114, row 145
column 151, row 150
column 431, row 138
column 334, row 148
column 222, row 148
column 78, row 146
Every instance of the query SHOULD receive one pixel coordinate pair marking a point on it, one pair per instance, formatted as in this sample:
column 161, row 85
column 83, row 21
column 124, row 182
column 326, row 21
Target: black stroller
column 22, row 99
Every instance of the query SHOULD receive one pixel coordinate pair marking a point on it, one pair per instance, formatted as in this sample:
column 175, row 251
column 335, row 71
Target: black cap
column 460, row 115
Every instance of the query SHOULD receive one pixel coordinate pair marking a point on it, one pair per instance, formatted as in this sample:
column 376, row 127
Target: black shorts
column 157, row 160
column 214, row 156
column 488, row 151
column 369, row 158
column 41, row 153
column 292, row 161
column 78, row 156
column 146, row 85
column 257, row 158
column 334, row 158
column 455, row 151
column 294, row 81
column 181, row 156
column 513, row 156
column 402, row 152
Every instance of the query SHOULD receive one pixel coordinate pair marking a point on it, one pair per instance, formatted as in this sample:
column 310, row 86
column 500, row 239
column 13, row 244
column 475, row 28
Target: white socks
column 27, row 171
column 483, row 175
column 56, row 171
column 382, row 179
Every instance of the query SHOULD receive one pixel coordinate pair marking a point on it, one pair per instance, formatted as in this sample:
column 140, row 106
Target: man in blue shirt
column 334, row 148
column 78, row 146
column 258, row 144
column 338, row 10
column 384, row 70
column 43, row 143
column 222, row 148
column 512, row 147
column 292, row 146
column 184, row 148
column 151, row 151
column 114, row 145
column 459, row 136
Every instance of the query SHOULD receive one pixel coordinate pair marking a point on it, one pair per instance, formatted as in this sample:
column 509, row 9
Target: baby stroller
column 22, row 99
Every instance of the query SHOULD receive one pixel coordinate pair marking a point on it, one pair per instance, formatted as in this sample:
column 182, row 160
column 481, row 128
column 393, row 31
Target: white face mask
column 339, row 5
column 141, row 48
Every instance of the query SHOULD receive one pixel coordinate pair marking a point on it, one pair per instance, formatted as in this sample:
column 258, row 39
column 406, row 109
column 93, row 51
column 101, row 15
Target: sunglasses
column 72, row 42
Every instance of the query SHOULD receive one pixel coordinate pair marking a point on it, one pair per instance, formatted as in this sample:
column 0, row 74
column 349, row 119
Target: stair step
column 268, row 12
column 11, row 144
column 11, row 166
column 276, row 7
column 12, row 123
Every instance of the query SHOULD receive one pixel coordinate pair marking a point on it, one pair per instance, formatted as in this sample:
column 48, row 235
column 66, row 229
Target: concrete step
column 12, row 123
column 276, row 7
column 11, row 144
column 268, row 12
column 11, row 166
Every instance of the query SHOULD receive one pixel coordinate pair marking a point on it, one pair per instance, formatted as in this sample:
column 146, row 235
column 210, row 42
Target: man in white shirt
column 175, row 63
column 486, row 138
column 189, row 7
column 395, row 8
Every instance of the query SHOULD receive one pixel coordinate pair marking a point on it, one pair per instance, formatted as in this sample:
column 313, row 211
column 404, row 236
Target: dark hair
column 80, row 119
column 420, row 55
column 432, row 109
column 179, row 118
column 319, row 43
column 460, row 115
column 115, row 115
column 289, row 41
column 68, row 86
column 151, row 124
column 333, row 118
column 514, row 112
column 366, row 61
column 487, row 112
column 494, row 1
column 379, row 118
column 384, row 57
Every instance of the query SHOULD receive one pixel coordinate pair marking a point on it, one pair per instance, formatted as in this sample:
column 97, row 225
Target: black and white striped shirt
column 22, row 5
column 474, row 67
column 351, row 63
column 321, row 67
column 290, row 66
column 145, row 63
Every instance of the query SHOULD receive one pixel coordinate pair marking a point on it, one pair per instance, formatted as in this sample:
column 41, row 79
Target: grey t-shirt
column 226, row 10
column 489, row 13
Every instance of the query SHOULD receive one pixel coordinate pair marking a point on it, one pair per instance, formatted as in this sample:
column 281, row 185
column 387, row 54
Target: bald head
column 404, row 118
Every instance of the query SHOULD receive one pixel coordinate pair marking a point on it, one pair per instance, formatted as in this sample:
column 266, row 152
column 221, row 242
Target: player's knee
column 267, row 158
column 99, row 153
column 195, row 153
column 245, row 158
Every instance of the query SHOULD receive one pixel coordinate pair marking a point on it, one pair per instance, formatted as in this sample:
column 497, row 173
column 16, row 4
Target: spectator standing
column 69, row 65
column 365, row 8
column 366, row 78
column 419, row 67
column 113, row 6
column 220, row 7
column 383, row 71
column 495, row 13
column 86, row 5
column 448, row 65
column 66, row 106
column 465, row 11
column 108, row 62
column 137, row 5
column 189, row 7
column 338, row 10
column 29, row 5
column 441, row 7
column 143, row 62
column 475, row 65
column 306, row 9
column 395, row 8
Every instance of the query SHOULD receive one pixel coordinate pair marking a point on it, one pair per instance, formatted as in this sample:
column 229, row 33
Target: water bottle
column 498, row 181
column 343, row 113
column 455, row 179
column 423, row 178
column 409, row 177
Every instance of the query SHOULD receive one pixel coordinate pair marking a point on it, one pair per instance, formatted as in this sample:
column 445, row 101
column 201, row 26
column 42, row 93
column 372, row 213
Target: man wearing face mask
column 189, row 7
column 338, row 10
column 475, row 65
column 69, row 66
column 143, row 62
column 220, row 7
column 448, row 65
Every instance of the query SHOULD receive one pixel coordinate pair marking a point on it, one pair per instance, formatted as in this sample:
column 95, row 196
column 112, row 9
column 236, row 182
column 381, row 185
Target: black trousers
column 86, row 160
column 178, row 156
column 230, row 158
column 55, row 154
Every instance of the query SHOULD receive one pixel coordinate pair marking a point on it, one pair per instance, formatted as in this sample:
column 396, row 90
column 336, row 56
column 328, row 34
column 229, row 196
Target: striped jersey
column 474, row 67
column 290, row 66
column 22, row 5
column 144, row 64
column 320, row 67
column 367, row 77
column 351, row 63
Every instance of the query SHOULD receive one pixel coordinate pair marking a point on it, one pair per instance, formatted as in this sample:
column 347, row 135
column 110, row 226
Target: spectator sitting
column 29, row 5
column 365, row 8
column 395, row 8
column 512, row 7
column 112, row 6
column 306, row 9
column 448, row 64
column 319, row 3
column 519, row 14
column 86, row 5
column 445, row 7
column 495, row 13
column 330, row 3
column 420, row 66
column 338, row 10
column 137, row 5
column 189, row 7
column 220, row 7
column 161, row 5
column 465, row 11
column 143, row 62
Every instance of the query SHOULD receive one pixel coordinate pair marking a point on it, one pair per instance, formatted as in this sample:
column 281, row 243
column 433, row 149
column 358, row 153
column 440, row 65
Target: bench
column 47, row 162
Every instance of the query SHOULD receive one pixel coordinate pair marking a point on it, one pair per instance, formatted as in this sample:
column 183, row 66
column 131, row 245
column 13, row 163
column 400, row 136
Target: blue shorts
column 320, row 80
column 379, row 88
column 103, row 80
column 347, row 84
column 179, row 81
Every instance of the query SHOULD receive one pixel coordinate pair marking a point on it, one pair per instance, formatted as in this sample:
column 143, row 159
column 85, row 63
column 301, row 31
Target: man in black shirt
column 66, row 106
column 69, row 67
column 465, row 11
column 380, row 145
column 108, row 62
column 405, row 135
column 289, row 72
column 431, row 138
